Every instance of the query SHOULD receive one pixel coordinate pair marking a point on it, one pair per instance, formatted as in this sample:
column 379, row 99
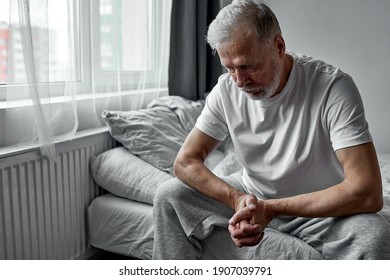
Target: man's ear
column 280, row 45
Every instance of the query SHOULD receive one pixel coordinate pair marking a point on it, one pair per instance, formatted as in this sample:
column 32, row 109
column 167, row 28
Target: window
column 54, row 41
column 51, row 42
column 110, row 41
column 4, row 20
column 126, row 40
column 128, row 13
column 78, row 59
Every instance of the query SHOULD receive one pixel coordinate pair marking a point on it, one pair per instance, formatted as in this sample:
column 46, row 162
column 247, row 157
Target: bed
column 121, row 220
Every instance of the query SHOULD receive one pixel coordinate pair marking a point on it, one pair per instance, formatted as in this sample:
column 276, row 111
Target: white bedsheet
column 125, row 227
column 121, row 226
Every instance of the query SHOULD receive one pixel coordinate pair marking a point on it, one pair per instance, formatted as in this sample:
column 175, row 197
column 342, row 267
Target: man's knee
column 378, row 233
column 370, row 234
column 165, row 204
column 170, row 191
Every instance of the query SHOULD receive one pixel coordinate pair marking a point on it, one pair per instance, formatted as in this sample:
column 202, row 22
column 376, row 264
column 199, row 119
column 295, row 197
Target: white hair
column 245, row 17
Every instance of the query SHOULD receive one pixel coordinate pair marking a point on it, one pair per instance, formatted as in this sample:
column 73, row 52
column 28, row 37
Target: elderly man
column 299, row 130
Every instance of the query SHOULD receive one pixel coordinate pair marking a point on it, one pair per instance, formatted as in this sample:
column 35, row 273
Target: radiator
column 43, row 204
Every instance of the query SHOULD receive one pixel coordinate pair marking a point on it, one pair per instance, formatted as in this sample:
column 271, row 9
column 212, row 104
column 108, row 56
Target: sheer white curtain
column 68, row 60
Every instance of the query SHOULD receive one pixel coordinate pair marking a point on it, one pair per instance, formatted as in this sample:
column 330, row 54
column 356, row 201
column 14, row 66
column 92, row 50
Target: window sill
column 79, row 97
column 31, row 147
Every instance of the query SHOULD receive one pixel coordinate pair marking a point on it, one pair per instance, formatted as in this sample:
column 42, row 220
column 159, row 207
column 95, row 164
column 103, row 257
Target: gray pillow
column 123, row 174
column 186, row 110
column 153, row 134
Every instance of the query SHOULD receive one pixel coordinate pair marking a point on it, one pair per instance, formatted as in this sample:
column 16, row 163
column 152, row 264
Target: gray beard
column 265, row 93
column 260, row 94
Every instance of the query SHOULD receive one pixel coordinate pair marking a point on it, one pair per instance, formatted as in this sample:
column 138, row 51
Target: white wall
column 353, row 35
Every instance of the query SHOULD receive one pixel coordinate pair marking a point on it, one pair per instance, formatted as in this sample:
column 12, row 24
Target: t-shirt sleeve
column 345, row 115
column 212, row 120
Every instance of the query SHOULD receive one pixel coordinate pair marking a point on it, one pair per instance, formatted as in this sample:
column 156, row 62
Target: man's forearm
column 339, row 200
column 194, row 173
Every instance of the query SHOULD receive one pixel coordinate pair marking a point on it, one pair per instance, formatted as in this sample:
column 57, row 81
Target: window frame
column 77, row 7
column 87, row 29
column 129, row 79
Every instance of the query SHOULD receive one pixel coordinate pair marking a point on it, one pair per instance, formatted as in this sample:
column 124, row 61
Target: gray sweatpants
column 184, row 219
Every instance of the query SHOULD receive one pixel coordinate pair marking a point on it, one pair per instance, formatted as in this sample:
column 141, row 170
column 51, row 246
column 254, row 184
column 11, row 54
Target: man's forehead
column 239, row 57
column 236, row 61
column 242, row 47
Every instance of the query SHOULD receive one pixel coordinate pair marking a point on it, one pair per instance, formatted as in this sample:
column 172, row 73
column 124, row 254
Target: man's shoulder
column 226, row 89
column 310, row 66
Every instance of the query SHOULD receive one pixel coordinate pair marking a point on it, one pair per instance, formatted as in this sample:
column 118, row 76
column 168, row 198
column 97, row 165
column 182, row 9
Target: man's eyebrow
column 242, row 66
column 223, row 65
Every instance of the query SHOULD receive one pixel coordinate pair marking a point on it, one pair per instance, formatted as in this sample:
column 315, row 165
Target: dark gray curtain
column 193, row 69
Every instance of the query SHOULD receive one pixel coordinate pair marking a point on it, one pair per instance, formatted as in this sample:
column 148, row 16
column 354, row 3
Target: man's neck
column 288, row 61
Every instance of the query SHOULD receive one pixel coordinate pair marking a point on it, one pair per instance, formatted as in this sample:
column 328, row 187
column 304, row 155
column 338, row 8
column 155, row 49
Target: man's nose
column 241, row 78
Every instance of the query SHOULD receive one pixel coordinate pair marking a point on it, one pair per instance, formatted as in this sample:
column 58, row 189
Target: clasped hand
column 247, row 225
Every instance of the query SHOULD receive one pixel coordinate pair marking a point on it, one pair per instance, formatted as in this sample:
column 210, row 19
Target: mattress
column 121, row 226
column 125, row 227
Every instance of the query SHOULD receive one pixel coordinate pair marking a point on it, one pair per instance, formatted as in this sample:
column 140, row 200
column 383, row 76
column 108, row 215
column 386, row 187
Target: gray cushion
column 126, row 175
column 155, row 134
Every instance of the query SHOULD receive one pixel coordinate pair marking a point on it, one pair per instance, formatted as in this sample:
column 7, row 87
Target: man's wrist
column 271, row 208
column 233, row 197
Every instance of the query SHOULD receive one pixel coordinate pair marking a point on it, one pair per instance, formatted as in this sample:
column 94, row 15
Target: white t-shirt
column 287, row 143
